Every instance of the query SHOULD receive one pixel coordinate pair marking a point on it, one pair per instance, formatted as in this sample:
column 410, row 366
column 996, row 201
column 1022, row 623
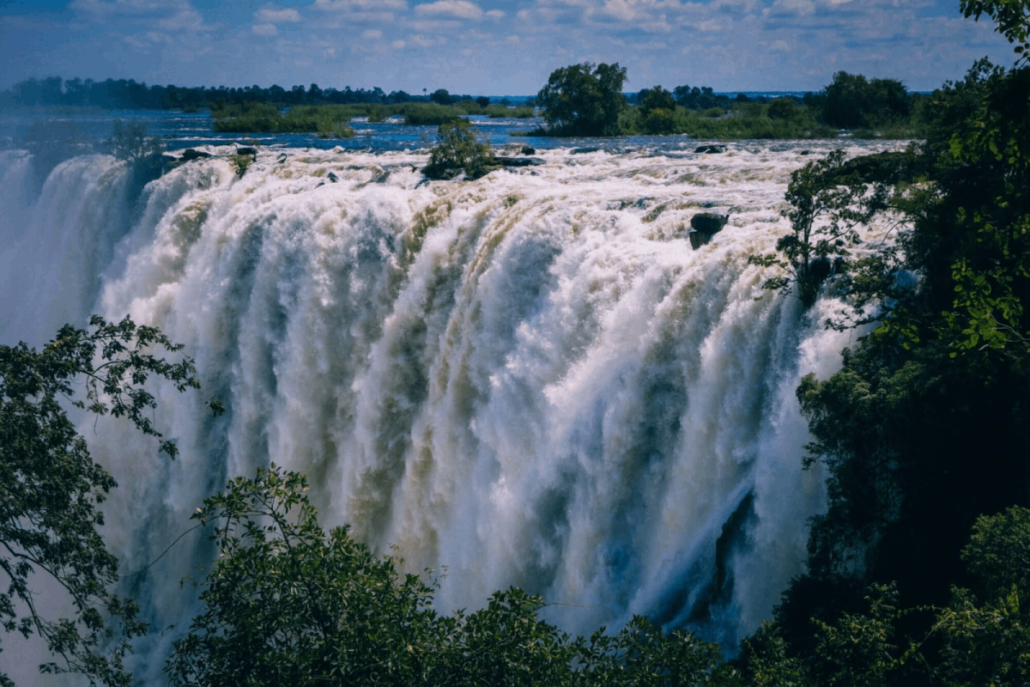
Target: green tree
column 459, row 148
column 583, row 100
column 986, row 631
column 923, row 428
column 288, row 603
column 821, row 189
column 656, row 111
column 852, row 102
column 51, row 490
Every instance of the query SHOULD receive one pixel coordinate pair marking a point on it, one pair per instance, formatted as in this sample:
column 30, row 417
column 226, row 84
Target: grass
column 331, row 121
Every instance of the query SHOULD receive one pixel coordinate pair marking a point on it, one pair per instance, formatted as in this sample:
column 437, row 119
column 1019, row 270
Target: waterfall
column 531, row 379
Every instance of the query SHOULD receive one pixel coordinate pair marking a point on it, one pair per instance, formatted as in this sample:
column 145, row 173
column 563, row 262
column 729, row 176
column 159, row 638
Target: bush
column 459, row 149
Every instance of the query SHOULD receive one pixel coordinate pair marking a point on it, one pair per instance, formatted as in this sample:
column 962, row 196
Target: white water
column 551, row 389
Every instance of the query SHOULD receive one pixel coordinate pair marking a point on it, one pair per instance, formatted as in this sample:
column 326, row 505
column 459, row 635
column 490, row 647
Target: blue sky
column 492, row 47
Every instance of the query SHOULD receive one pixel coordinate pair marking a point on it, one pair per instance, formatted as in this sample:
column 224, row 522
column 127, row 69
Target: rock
column 191, row 154
column 332, row 177
column 282, row 158
column 527, row 150
column 805, row 152
column 583, row 151
column 705, row 225
column 520, row 161
column 246, row 150
column 710, row 149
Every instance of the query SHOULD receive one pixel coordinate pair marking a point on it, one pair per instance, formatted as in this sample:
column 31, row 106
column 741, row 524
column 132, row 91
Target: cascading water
column 531, row 379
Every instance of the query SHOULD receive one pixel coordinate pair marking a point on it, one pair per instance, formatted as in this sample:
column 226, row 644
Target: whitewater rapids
column 531, row 379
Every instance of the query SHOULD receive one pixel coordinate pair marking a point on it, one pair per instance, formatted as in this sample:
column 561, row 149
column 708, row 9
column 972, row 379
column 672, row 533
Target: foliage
column 987, row 632
column 288, row 603
column 584, row 100
column 459, row 149
column 656, row 108
column 1011, row 16
column 241, row 163
column 51, row 490
column 853, row 102
column 923, row 428
column 129, row 141
column 813, row 248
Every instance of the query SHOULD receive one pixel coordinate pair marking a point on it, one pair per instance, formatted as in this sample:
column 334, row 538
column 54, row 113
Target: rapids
column 531, row 379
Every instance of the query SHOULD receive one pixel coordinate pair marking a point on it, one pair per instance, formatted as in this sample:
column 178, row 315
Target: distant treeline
column 127, row 94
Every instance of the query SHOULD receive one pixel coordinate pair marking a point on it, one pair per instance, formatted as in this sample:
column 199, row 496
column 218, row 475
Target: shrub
column 459, row 149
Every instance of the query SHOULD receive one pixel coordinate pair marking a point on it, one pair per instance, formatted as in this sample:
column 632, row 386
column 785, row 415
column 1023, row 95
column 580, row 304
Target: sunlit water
column 530, row 379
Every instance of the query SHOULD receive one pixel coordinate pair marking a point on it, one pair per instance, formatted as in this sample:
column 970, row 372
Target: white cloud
column 463, row 9
column 265, row 29
column 398, row 44
column 372, row 34
column 360, row 5
column 170, row 15
column 495, row 14
column 269, row 14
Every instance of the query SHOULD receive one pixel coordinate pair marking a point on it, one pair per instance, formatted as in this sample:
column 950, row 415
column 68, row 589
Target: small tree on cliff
column 583, row 100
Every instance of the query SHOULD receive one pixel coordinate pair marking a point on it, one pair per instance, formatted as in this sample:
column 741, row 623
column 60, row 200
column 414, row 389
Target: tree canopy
column 584, row 100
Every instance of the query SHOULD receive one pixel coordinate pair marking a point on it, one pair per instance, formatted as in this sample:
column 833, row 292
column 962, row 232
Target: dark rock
column 805, row 152
column 247, row 150
column 584, row 151
column 520, row 161
column 191, row 154
column 332, row 177
column 710, row 149
column 527, row 150
column 705, row 225
column 710, row 223
column 282, row 158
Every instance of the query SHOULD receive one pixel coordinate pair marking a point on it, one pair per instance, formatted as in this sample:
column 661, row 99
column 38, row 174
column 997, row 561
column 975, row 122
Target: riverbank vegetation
column 333, row 121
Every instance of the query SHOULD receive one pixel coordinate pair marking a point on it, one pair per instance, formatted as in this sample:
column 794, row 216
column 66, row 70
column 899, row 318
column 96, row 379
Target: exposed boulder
column 519, row 161
column 527, row 150
column 191, row 154
column 714, row 148
column 705, row 225
column 247, row 150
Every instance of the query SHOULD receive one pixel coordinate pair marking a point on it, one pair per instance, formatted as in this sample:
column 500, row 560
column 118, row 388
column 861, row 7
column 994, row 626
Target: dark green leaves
column 50, row 488
column 288, row 603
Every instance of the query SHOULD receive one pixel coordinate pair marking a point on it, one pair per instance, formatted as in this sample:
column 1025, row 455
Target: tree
column 289, row 603
column 656, row 110
column 852, row 101
column 583, row 100
column 51, row 490
column 130, row 142
column 441, row 97
column 458, row 149
column 824, row 188
column 923, row 428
